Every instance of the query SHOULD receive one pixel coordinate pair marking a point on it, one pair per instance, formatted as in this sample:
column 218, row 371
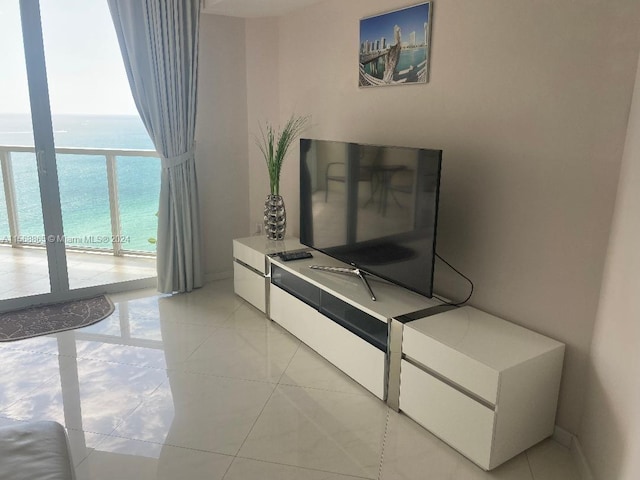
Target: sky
column 84, row 66
column 409, row 20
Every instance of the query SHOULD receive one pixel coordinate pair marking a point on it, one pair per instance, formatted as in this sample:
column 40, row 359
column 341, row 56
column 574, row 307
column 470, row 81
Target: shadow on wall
column 459, row 212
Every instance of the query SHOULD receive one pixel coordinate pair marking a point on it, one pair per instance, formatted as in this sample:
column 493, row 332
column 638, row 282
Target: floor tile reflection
column 308, row 369
column 88, row 395
column 333, row 431
column 197, row 411
column 120, row 458
column 409, row 451
column 203, row 386
column 246, row 354
column 245, row 469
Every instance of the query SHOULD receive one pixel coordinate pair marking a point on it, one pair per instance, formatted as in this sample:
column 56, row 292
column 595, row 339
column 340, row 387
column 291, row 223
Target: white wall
column 221, row 140
column 529, row 101
column 263, row 105
column 610, row 430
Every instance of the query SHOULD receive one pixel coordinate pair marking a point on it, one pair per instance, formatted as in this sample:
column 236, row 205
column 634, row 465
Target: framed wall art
column 394, row 47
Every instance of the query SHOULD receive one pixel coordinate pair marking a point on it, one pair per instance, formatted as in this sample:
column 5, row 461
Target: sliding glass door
column 61, row 222
column 28, row 169
column 108, row 171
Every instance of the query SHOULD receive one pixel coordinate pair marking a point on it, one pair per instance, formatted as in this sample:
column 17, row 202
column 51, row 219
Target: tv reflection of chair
column 336, row 172
column 401, row 182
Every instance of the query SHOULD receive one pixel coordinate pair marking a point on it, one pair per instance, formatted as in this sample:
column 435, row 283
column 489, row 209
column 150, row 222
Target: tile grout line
column 526, row 454
column 384, row 443
column 275, row 387
column 388, row 440
column 270, row 462
column 114, row 435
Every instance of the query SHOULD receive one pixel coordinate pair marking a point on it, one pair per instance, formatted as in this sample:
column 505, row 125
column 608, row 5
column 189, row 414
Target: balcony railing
column 115, row 245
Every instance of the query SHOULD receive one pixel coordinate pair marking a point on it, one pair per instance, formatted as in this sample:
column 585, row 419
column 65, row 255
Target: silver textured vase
column 275, row 217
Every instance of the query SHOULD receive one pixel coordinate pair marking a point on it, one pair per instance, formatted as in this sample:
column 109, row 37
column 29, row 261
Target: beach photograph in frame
column 394, row 47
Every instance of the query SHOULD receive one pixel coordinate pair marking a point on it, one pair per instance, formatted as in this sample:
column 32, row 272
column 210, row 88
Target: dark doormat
column 36, row 321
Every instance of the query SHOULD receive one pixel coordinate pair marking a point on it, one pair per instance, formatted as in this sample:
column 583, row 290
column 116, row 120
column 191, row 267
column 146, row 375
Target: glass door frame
column 48, row 176
column 44, row 145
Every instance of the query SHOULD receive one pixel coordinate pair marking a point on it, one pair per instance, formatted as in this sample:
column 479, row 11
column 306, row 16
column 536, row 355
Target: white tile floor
column 24, row 271
column 202, row 386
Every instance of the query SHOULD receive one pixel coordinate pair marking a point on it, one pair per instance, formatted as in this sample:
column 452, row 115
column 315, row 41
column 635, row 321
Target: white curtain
column 159, row 44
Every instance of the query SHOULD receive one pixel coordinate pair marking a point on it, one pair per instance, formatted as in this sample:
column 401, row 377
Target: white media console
column 485, row 386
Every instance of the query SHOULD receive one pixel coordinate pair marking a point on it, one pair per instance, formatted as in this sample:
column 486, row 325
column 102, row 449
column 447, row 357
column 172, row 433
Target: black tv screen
column 372, row 206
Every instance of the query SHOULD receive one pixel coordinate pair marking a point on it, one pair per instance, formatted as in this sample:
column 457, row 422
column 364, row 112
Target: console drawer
column 249, row 285
column 249, row 256
column 461, row 369
column 360, row 360
column 457, row 419
column 295, row 316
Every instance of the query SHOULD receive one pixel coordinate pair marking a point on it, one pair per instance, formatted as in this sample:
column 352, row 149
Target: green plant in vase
column 274, row 146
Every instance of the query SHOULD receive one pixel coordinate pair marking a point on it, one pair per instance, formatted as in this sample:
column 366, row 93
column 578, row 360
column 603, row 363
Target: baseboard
column 570, row 441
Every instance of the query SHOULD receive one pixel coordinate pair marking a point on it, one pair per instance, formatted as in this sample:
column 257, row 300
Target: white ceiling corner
column 254, row 8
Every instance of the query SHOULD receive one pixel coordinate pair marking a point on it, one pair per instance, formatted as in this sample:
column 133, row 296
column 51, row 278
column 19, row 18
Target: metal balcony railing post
column 114, row 204
column 10, row 196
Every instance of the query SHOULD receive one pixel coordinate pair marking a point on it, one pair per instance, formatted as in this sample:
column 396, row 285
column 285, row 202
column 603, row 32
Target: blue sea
column 83, row 181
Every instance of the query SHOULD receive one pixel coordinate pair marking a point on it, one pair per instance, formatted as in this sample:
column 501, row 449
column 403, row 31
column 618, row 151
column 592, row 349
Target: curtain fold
column 159, row 44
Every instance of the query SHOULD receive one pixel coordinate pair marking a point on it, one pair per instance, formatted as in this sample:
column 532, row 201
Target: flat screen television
column 374, row 207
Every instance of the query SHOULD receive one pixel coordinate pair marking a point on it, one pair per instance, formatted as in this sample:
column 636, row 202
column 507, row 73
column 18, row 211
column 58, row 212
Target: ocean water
column 83, row 181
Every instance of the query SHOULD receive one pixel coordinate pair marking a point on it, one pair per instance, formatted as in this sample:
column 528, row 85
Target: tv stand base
column 356, row 272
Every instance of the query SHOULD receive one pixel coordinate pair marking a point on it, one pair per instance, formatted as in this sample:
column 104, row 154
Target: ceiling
column 254, row 8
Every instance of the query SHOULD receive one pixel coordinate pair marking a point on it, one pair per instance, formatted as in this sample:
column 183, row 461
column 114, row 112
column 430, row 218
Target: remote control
column 288, row 256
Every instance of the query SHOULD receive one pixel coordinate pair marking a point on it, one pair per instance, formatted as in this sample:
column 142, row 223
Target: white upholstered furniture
column 35, row 451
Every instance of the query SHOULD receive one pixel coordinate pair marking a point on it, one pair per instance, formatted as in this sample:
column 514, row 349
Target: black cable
column 463, row 276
